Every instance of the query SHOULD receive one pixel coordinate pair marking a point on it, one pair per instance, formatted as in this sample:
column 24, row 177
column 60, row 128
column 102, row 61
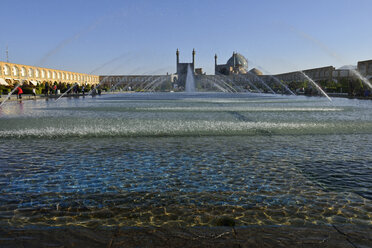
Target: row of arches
column 26, row 72
column 42, row 83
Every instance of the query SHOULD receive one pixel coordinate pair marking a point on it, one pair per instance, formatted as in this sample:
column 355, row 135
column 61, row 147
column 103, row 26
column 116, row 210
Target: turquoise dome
column 238, row 60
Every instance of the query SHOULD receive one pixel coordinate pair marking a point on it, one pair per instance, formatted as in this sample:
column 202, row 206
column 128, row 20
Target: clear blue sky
column 141, row 36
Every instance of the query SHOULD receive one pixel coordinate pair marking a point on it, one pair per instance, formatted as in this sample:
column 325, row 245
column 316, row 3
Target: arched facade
column 16, row 73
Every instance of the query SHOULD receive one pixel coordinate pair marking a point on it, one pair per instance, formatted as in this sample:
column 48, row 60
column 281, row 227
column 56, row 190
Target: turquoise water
column 185, row 159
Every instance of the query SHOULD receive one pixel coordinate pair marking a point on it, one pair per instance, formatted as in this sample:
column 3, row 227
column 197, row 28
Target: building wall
column 143, row 82
column 14, row 73
column 365, row 68
column 317, row 74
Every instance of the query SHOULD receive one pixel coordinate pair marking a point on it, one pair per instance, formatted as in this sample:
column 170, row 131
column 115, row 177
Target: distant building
column 12, row 74
column 230, row 77
column 365, row 68
column 317, row 74
column 236, row 64
column 182, row 68
column 256, row 72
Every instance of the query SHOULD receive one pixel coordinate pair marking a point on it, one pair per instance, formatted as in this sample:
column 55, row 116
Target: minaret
column 193, row 57
column 215, row 64
column 234, row 58
column 178, row 56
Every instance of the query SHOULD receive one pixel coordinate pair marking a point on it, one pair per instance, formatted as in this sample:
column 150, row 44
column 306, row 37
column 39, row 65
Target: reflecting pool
column 160, row 159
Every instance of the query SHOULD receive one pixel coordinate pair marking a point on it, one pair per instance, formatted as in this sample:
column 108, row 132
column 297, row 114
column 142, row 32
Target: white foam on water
column 240, row 109
column 165, row 128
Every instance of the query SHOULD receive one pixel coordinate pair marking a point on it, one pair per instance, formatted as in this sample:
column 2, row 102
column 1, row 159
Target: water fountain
column 145, row 160
column 67, row 91
column 316, row 85
column 152, row 83
column 9, row 94
column 262, row 82
column 332, row 54
column 190, row 81
column 281, row 84
column 163, row 80
column 362, row 78
column 232, row 84
column 245, row 79
column 222, row 81
column 216, row 85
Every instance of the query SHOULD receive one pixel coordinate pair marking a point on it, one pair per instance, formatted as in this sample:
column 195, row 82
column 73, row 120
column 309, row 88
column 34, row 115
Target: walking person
column 82, row 90
column 19, row 93
column 76, row 89
column 34, row 92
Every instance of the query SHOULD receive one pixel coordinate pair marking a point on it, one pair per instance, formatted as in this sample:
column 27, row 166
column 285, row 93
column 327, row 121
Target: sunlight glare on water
column 165, row 159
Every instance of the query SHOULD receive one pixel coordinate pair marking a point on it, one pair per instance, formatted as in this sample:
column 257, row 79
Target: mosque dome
column 238, row 60
column 256, row 72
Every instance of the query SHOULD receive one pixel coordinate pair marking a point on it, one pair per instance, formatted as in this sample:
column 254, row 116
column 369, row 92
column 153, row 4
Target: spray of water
column 233, row 84
column 152, row 83
column 67, row 91
column 331, row 53
column 107, row 76
column 15, row 88
column 274, row 78
column 9, row 94
column 110, row 62
column 262, row 82
column 216, row 85
column 283, row 85
column 222, row 81
column 316, row 85
column 162, row 80
column 190, row 81
column 65, row 42
column 364, row 79
column 250, row 83
column 96, row 86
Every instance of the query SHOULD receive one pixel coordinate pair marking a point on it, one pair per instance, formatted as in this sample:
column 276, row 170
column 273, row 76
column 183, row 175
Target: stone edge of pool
column 255, row 236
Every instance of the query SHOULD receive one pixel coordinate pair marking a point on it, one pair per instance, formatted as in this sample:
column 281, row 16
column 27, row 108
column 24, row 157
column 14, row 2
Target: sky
column 121, row 37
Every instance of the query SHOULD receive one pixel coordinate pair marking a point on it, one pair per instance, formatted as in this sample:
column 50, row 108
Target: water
column 155, row 159
column 9, row 94
column 67, row 91
column 281, row 84
column 316, row 86
column 262, row 82
column 250, row 83
column 190, row 81
column 362, row 78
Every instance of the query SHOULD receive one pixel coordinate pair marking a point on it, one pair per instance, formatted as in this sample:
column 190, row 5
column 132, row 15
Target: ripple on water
column 185, row 162
column 190, row 181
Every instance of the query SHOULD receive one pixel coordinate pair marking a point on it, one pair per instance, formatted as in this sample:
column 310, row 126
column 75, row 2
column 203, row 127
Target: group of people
column 49, row 90
column 20, row 92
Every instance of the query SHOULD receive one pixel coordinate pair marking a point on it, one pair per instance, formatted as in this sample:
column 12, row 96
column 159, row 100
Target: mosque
column 237, row 64
column 235, row 73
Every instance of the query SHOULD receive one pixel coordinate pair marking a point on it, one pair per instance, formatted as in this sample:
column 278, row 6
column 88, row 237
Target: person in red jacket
column 20, row 92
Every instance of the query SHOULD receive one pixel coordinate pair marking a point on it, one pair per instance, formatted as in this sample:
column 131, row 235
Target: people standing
column 46, row 89
column 19, row 93
column 82, row 90
column 34, row 92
